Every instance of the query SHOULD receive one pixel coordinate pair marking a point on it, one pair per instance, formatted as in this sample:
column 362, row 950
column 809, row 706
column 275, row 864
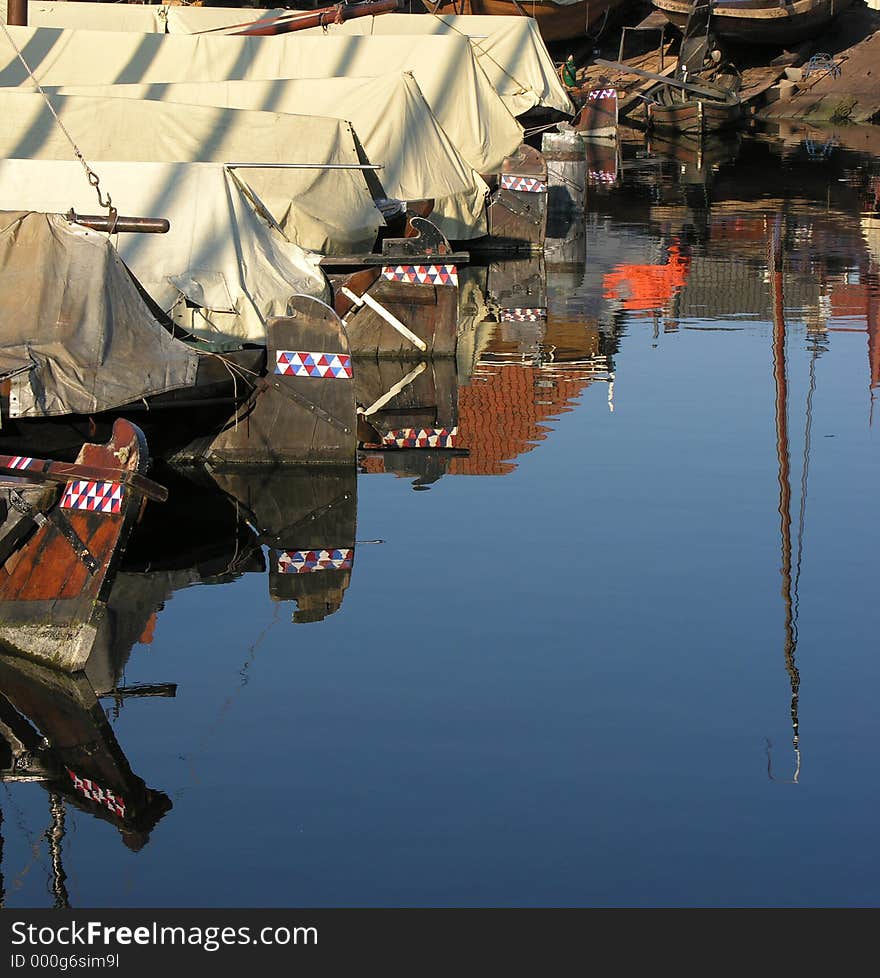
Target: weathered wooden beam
column 662, row 79
column 43, row 470
column 372, row 260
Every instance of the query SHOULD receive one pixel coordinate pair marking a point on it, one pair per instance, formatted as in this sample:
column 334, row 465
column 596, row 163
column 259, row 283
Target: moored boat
column 64, row 527
column 764, row 22
column 675, row 110
column 705, row 102
column 70, row 342
column 558, row 20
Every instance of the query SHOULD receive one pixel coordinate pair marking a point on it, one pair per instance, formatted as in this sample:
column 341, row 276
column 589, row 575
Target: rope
column 536, row 129
column 92, row 177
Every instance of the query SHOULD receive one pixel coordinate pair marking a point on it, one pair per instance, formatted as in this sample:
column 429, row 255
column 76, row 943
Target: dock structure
column 837, row 81
column 825, row 79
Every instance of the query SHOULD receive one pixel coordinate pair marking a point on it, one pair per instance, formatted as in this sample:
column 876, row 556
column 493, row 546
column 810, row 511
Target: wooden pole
column 320, row 17
column 17, row 13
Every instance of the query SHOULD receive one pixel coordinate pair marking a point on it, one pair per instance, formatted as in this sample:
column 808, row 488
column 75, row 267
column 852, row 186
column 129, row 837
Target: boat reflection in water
column 297, row 524
column 55, row 731
column 519, row 365
column 673, row 247
column 703, row 247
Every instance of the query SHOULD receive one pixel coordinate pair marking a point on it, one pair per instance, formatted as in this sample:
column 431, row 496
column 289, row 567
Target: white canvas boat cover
column 460, row 95
column 323, row 210
column 221, row 270
column 75, row 333
column 391, row 118
column 98, row 16
column 510, row 50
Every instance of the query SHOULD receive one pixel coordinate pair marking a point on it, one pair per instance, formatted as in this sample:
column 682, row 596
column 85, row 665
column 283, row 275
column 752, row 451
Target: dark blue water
column 623, row 654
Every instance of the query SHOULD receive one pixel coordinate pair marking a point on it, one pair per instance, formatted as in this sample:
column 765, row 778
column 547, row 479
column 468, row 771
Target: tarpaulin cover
column 220, row 262
column 509, row 49
column 324, row 210
column 392, row 121
column 460, row 95
column 72, row 314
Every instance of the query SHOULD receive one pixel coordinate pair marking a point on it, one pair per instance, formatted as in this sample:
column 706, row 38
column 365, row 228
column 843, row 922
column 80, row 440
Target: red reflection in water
column 647, row 288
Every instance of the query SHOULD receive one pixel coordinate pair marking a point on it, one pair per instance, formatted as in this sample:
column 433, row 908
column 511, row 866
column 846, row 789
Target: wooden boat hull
column 761, row 22
column 60, row 551
column 694, row 116
column 169, row 420
column 517, row 212
column 422, row 297
column 245, row 406
column 555, row 22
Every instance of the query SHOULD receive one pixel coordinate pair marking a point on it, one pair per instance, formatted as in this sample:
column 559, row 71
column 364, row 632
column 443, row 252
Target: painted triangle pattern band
column 420, row 438
column 94, row 497
column 309, row 561
column 529, row 185
column 94, row 792
column 294, row 363
column 522, row 315
column 421, row 274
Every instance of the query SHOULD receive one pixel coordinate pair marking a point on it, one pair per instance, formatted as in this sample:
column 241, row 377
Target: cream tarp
column 509, row 49
column 74, row 319
column 392, row 120
column 220, row 264
column 322, row 210
column 460, row 95
column 98, row 16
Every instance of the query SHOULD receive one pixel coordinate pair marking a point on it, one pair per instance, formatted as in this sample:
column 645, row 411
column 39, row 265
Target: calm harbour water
column 620, row 654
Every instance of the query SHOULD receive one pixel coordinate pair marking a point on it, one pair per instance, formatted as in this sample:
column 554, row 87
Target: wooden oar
column 44, row 470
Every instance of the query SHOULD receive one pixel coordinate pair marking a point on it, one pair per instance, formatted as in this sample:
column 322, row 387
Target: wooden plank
column 44, row 470
column 372, row 260
column 662, row 79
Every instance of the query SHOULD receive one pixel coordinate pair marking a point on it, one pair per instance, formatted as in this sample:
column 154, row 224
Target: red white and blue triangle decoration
column 94, row 497
column 420, row 438
column 529, row 185
column 422, row 274
column 94, row 792
column 291, row 363
column 522, row 315
column 309, row 561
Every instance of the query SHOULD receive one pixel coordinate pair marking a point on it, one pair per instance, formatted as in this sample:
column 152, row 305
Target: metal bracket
column 517, row 207
column 310, row 406
column 61, row 523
